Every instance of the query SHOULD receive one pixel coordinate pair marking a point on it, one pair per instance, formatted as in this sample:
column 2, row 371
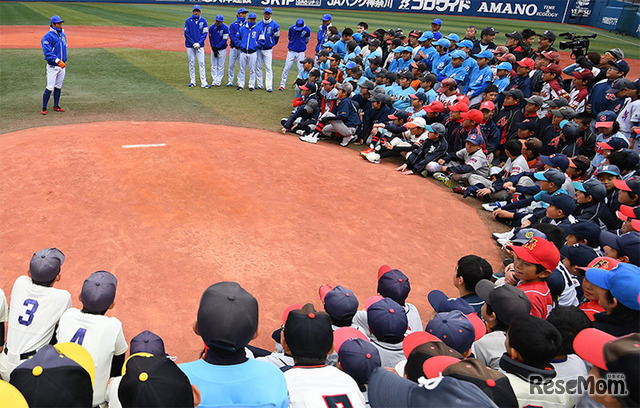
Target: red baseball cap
column 487, row 105
column 526, row 62
column 538, row 251
column 553, row 56
column 629, row 211
column 459, row 107
column 553, row 68
column 474, row 115
column 435, row 106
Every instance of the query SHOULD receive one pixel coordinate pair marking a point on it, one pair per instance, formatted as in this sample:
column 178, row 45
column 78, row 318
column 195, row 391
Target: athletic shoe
column 449, row 182
column 440, row 176
column 58, row 109
column 258, row 87
column 501, row 235
column 283, row 121
column 502, row 241
column 493, row 206
column 269, row 90
column 251, row 89
column 230, row 84
column 373, row 157
column 239, row 88
column 424, row 173
column 43, row 112
column 281, row 88
column 459, row 190
column 366, row 151
column 191, row 85
column 207, row 86
column 300, row 132
column 348, row 139
column 309, row 139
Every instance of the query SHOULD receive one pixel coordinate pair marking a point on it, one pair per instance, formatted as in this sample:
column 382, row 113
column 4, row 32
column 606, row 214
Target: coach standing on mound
column 196, row 32
column 54, row 47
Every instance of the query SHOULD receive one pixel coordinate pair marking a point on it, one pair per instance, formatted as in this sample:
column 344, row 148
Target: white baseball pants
column 217, row 67
column 55, row 77
column 264, row 57
column 234, row 53
column 247, row 61
column 192, row 53
column 291, row 57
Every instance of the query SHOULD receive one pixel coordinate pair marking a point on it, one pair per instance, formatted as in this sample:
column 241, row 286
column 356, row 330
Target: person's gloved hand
column 196, row 45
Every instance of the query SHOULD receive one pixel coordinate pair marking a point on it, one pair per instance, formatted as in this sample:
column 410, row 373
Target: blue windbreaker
column 218, row 36
column 54, row 46
column 268, row 34
column 247, row 38
column 195, row 31
column 233, row 31
column 299, row 37
column 322, row 36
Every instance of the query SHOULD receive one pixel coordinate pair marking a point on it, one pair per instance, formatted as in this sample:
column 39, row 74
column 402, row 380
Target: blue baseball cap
column 554, row 176
column 454, row 329
column 341, row 303
column 268, row 10
column 609, row 169
column 427, row 35
column 525, row 234
column 350, row 64
column 443, row 42
column 299, row 22
column 465, row 43
column 442, row 303
column 197, row 7
column 56, row 19
column 475, row 139
column 242, row 10
column 453, row 37
column 628, row 243
column 623, row 282
column 563, row 201
column 357, row 37
column 328, row 44
column 505, row 65
column 219, row 17
column 485, row 54
column 252, row 15
column 458, row 54
column 387, row 318
column 592, row 187
column 556, row 160
column 326, row 17
column 436, row 21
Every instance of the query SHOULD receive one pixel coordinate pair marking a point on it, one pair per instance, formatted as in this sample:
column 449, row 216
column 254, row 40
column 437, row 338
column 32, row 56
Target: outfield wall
column 607, row 14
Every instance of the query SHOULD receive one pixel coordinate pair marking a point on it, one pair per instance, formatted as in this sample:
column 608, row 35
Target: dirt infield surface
column 155, row 38
column 209, row 203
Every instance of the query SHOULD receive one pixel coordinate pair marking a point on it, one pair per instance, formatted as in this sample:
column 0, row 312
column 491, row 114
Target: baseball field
column 174, row 188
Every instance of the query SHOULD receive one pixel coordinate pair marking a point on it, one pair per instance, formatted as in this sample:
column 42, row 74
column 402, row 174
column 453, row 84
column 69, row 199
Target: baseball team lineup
column 545, row 144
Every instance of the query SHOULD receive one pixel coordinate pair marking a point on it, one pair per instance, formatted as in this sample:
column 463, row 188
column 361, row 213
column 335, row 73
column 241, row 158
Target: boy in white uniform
column 102, row 336
column 36, row 307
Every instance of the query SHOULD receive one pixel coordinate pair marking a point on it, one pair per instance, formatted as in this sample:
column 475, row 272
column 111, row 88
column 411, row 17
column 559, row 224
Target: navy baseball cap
column 606, row 118
column 45, row 264
column 252, row 15
column 528, row 124
column 326, row 17
column 358, row 358
column 623, row 282
column 242, row 10
column 474, row 138
column 563, row 201
column 556, row 160
column 579, row 254
column 420, row 96
column 56, row 19
column 609, row 169
column 614, row 143
column 387, row 318
column 588, row 230
column 493, row 383
column 308, row 332
column 341, row 303
column 515, row 35
column 621, row 65
column 267, row 10
column 442, row 303
column 99, row 291
column 220, row 17
column 308, row 86
column 454, row 329
column 329, row 81
column 387, row 389
column 592, row 187
column 197, row 7
column 399, row 114
column 628, row 244
column 554, row 176
column 525, row 234
column 392, row 283
column 147, row 342
column 506, row 301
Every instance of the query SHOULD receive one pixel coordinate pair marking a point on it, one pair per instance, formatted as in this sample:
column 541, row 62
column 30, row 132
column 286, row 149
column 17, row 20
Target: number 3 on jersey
column 79, row 336
column 337, row 401
column 32, row 306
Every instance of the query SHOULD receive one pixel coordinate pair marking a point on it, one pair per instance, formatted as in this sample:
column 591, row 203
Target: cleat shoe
column 440, row 176
column 502, row 241
column 491, row 207
column 43, row 112
column 309, row 139
column 229, row 84
column 366, row 151
column 239, row 88
column 269, row 90
column 451, row 183
column 373, row 157
column 459, row 190
column 207, row 86
column 281, row 88
column 251, row 89
column 192, row 85
column 58, row 109
column 347, row 139
column 507, row 235
column 300, row 132
column 283, row 121
column 258, row 87
column 424, row 173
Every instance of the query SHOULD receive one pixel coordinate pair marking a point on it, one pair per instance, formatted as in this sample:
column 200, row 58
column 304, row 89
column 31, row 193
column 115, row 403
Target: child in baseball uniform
column 388, row 326
column 312, row 383
column 36, row 307
column 102, row 336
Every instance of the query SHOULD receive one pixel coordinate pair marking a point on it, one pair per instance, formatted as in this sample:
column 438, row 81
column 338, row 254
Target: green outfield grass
column 128, row 84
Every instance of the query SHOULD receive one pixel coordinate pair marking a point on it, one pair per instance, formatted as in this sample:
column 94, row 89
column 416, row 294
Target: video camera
column 579, row 44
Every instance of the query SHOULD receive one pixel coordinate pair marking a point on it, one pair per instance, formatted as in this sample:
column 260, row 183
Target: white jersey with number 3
column 34, row 313
column 322, row 387
column 103, row 338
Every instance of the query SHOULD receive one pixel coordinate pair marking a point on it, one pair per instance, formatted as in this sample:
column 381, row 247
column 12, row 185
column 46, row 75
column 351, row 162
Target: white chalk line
column 136, row 146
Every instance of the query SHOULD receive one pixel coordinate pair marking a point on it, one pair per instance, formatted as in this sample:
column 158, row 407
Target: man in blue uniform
column 323, row 33
column 299, row 35
column 247, row 40
column 218, row 37
column 268, row 37
column 54, row 47
column 195, row 35
column 234, row 50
